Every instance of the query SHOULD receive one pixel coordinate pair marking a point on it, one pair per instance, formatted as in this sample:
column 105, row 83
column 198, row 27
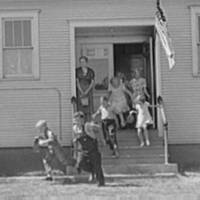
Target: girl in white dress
column 143, row 119
column 118, row 99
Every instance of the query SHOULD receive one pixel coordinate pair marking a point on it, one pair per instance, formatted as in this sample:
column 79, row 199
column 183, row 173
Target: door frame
column 110, row 41
column 81, row 41
column 87, row 23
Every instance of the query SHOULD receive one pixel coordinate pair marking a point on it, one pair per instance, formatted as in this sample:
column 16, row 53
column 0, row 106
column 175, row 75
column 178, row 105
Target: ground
column 157, row 188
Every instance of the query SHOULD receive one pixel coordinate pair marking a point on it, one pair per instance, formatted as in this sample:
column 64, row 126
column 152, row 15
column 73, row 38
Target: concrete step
column 129, row 137
column 133, row 132
column 135, row 142
column 147, row 168
column 124, row 135
column 135, row 150
column 125, row 160
column 136, row 160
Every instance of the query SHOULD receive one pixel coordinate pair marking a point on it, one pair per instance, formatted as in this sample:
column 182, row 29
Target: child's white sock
column 141, row 144
column 147, row 142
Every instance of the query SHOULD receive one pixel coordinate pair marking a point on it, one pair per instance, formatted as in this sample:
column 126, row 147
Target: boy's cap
column 40, row 123
column 89, row 129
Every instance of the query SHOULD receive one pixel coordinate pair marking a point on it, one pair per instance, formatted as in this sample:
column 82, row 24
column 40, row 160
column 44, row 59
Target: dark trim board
column 19, row 161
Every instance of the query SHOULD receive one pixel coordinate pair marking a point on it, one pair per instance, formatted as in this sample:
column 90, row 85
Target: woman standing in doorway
column 84, row 83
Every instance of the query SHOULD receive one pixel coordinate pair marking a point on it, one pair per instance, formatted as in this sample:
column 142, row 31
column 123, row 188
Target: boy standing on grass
column 52, row 151
column 90, row 160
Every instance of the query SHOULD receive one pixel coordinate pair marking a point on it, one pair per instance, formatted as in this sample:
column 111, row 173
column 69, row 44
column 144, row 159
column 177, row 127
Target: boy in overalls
column 91, row 158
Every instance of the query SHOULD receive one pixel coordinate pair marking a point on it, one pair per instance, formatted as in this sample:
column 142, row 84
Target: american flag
column 161, row 28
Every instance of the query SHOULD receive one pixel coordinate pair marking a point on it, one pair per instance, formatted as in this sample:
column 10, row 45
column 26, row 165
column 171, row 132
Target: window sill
column 20, row 79
column 196, row 75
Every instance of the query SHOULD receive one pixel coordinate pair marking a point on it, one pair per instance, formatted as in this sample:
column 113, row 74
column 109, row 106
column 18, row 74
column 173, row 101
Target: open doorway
column 131, row 56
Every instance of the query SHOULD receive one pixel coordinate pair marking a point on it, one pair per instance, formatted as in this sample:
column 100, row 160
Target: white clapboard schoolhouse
column 41, row 41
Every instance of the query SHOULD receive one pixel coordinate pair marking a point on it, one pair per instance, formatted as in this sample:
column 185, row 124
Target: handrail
column 165, row 127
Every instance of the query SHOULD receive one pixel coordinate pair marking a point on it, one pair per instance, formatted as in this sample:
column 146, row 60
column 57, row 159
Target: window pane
column 10, row 62
column 26, row 61
column 17, row 62
column 18, row 33
column 8, row 34
column 27, row 32
column 100, row 67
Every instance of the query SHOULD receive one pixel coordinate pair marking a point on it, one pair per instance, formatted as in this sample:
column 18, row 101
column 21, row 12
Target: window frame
column 33, row 15
column 195, row 15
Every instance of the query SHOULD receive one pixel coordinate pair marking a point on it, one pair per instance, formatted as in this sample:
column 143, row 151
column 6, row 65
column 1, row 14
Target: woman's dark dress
column 85, row 81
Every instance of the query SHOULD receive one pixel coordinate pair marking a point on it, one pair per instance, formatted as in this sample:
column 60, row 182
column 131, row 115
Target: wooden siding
column 21, row 109
column 179, row 87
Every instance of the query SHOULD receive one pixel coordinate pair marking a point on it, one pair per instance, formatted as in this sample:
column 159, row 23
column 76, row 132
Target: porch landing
column 136, row 160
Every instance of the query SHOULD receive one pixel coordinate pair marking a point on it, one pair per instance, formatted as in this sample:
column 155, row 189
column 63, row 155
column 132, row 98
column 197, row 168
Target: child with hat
column 91, row 158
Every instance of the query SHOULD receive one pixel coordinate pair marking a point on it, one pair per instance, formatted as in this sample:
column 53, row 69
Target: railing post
column 166, row 142
column 165, row 127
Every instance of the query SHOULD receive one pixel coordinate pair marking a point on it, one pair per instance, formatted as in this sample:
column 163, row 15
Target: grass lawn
column 170, row 188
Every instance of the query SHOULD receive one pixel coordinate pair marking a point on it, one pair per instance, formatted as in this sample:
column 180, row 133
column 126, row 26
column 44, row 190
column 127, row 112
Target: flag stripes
column 161, row 27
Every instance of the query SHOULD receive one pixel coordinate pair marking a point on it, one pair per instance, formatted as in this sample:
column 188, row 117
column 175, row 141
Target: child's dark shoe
column 78, row 170
column 101, row 184
column 49, row 178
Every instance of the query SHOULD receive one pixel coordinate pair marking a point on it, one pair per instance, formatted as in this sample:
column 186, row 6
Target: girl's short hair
column 84, row 58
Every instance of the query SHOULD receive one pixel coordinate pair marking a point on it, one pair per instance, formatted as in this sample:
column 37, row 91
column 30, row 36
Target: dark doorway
column 122, row 57
column 129, row 56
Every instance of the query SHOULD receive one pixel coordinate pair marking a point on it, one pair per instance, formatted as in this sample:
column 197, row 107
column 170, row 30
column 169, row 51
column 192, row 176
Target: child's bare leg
column 146, row 135
column 139, row 132
column 122, row 119
column 48, row 169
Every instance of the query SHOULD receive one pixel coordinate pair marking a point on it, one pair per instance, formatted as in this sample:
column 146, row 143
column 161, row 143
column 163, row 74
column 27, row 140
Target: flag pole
column 161, row 11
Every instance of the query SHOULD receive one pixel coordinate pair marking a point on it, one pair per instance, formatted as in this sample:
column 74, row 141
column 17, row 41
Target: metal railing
column 165, row 127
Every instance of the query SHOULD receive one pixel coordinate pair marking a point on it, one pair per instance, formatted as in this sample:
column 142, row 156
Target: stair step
column 135, row 154
column 109, row 160
column 137, row 144
column 141, row 168
column 136, row 160
column 135, row 151
column 151, row 148
column 125, row 136
column 132, row 156
column 133, row 132
column 132, row 139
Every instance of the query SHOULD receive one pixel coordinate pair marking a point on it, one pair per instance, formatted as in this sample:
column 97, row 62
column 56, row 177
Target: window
column 19, row 47
column 195, row 17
